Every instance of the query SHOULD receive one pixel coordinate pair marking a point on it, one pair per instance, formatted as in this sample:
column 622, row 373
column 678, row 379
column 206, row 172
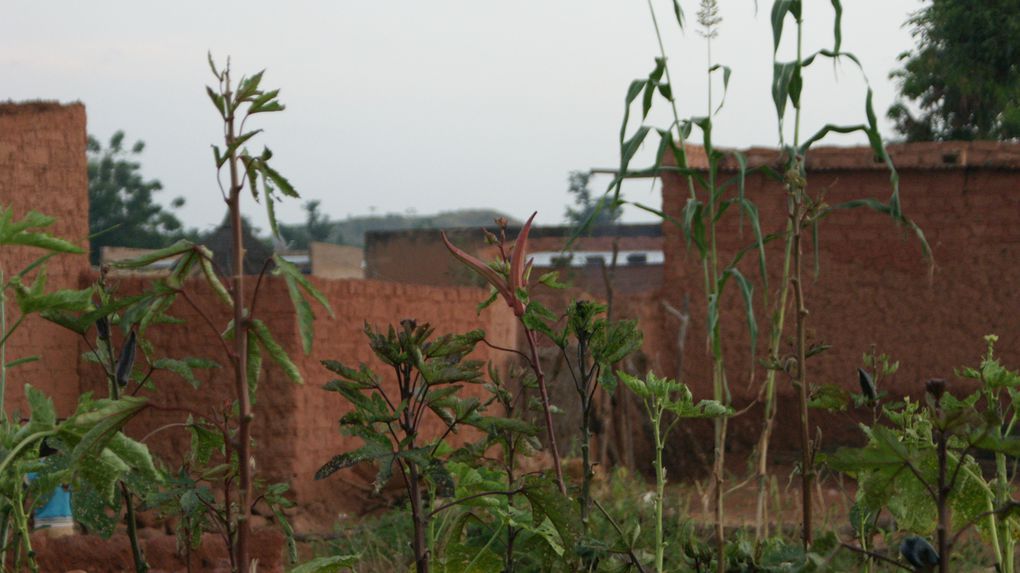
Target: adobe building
column 43, row 168
column 419, row 256
column 874, row 285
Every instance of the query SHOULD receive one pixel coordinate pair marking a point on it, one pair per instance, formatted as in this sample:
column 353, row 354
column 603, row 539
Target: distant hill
column 351, row 231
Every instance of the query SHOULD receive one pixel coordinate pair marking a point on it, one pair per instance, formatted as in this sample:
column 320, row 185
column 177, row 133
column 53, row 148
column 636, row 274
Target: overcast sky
column 424, row 105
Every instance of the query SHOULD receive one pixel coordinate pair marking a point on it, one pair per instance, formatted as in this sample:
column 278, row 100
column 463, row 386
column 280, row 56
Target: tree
column 964, row 75
column 317, row 224
column 122, row 212
column 585, row 205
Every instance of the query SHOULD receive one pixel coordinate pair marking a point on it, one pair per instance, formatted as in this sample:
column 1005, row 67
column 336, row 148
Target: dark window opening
column 637, row 259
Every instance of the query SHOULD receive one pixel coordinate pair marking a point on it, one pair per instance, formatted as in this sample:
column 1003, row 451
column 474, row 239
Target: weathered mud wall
column 42, row 168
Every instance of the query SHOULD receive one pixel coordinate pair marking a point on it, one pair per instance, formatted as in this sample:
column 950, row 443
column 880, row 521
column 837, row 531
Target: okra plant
column 667, row 403
column 919, row 465
column 389, row 417
column 87, row 451
column 509, row 278
column 225, row 432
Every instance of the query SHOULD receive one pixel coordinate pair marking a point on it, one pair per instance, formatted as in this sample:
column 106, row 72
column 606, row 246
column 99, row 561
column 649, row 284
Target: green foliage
column 430, row 373
column 122, row 208
column 662, row 397
column 585, row 207
column 901, row 471
column 962, row 76
column 333, row 564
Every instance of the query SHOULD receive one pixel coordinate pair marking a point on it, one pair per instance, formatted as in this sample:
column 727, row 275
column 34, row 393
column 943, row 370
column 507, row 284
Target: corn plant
column 806, row 211
column 667, row 402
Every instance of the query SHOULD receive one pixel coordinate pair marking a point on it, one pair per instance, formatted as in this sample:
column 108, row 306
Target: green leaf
column 218, row 102
column 726, row 82
column 548, row 502
column 184, row 368
column 278, row 180
column 204, row 443
column 205, row 263
column 289, row 269
column 254, row 368
column 332, row 564
column 679, row 13
column 275, row 351
column 460, row 558
column 837, row 32
column 779, row 10
column 829, row 397
column 629, row 147
column 135, row 454
column 91, row 510
column 22, row 360
column 782, row 77
column 19, row 233
column 551, row 280
column 747, row 290
column 179, row 248
column 102, row 424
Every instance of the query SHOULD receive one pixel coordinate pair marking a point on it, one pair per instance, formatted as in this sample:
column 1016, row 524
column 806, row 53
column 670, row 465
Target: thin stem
column 619, row 531
column 3, row 349
column 240, row 346
column 660, row 489
column 258, row 284
column 132, row 524
column 450, row 504
column 536, row 366
column 807, row 471
column 769, row 414
column 874, row 555
column 21, row 520
column 208, row 321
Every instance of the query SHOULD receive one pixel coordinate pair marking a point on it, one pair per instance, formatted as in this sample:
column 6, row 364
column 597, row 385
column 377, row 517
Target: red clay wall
column 42, row 168
column 296, row 426
column 420, row 257
column 874, row 286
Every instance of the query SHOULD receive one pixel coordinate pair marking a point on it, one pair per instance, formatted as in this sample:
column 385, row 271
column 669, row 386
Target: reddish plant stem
column 807, row 469
column 944, row 489
column 240, row 352
column 536, row 366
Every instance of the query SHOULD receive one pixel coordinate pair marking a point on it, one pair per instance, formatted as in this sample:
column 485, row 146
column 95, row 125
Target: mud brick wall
column 448, row 309
column 419, row 256
column 874, row 286
column 296, row 426
column 42, row 168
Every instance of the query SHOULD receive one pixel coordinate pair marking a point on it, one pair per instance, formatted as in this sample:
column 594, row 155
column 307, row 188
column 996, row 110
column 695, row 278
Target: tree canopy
column 585, row 204
column 964, row 75
column 122, row 211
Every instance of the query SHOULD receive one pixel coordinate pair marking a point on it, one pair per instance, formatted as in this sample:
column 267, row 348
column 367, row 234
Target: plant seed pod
column 919, row 553
column 867, row 385
column 936, row 387
column 103, row 328
column 127, row 360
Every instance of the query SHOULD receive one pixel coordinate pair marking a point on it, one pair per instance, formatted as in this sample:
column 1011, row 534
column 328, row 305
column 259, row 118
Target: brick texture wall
column 419, row 256
column 874, row 286
column 42, row 168
column 296, row 426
